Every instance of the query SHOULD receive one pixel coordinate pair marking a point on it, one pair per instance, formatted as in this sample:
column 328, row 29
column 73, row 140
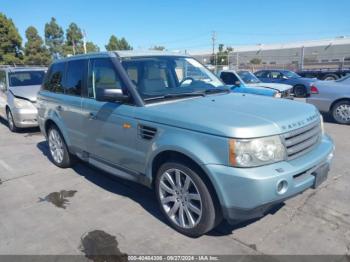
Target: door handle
column 91, row 116
column 59, row 108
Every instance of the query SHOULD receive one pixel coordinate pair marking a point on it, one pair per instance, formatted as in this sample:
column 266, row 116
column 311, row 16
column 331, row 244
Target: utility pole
column 302, row 58
column 213, row 38
column 84, row 41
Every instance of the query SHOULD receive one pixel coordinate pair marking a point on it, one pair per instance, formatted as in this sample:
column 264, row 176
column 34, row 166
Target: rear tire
column 341, row 112
column 299, row 91
column 184, row 199
column 11, row 123
column 59, row 153
column 330, row 77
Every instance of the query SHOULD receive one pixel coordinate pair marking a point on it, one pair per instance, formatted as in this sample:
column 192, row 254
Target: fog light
column 282, row 187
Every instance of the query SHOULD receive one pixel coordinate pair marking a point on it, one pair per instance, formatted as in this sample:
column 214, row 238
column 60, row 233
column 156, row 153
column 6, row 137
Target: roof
column 121, row 54
column 148, row 53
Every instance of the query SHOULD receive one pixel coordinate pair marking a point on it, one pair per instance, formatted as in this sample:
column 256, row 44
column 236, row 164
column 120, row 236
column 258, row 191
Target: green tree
column 255, row 61
column 91, row 47
column 117, row 44
column 10, row 42
column 35, row 51
column 54, row 37
column 158, row 48
column 74, row 41
column 221, row 57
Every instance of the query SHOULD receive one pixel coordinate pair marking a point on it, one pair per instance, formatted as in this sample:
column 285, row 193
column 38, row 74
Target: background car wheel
column 58, row 148
column 185, row 199
column 11, row 122
column 330, row 77
column 341, row 112
column 300, row 91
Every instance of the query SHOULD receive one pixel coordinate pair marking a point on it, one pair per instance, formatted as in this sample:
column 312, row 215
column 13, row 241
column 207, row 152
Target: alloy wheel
column 10, row 120
column 180, row 198
column 56, row 146
column 342, row 113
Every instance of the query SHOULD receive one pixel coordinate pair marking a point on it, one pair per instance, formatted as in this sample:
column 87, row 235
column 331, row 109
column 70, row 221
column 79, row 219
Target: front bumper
column 25, row 118
column 246, row 193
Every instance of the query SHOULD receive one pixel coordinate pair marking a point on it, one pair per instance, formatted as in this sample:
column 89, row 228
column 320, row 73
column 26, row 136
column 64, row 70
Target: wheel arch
column 173, row 155
column 49, row 122
column 337, row 101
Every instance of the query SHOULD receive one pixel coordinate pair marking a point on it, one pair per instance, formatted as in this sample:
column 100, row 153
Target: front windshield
column 26, row 78
column 291, row 74
column 164, row 76
column 248, row 77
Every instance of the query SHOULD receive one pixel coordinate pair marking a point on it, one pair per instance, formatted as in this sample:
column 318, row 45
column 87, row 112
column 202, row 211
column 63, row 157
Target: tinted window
column 102, row 74
column 54, row 80
column 275, row 75
column 26, row 78
column 261, row 74
column 228, row 78
column 74, row 77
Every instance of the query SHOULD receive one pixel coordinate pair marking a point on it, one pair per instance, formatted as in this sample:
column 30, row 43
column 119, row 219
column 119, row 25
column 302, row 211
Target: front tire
column 11, row 123
column 300, row 91
column 58, row 148
column 184, row 199
column 341, row 112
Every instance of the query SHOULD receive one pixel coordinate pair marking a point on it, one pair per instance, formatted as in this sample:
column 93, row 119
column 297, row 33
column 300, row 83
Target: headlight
column 256, row 152
column 278, row 95
column 22, row 103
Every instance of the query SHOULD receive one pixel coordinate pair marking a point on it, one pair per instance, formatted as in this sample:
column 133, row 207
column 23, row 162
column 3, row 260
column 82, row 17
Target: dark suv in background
column 301, row 85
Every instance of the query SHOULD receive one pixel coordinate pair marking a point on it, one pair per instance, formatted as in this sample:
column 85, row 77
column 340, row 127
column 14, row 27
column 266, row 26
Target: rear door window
column 54, row 81
column 74, row 80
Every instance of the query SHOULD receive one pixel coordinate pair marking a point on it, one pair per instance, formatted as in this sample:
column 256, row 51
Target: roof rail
column 21, row 66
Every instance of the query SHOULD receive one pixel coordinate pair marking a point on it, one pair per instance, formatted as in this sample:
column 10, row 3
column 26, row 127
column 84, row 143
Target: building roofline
column 343, row 40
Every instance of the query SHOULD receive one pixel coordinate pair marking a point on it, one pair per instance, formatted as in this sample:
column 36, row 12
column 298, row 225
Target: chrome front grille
column 300, row 141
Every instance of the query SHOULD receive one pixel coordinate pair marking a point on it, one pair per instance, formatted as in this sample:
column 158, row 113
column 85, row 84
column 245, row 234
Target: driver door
column 110, row 128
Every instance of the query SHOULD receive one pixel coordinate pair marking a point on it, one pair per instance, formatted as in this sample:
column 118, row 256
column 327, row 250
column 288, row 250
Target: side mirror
column 111, row 95
column 284, row 77
column 237, row 83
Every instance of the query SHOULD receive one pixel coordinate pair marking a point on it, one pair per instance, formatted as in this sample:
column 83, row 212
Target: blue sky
column 181, row 24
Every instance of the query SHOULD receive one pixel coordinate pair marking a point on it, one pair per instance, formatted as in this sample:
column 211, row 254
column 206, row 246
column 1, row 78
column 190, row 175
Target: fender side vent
column 147, row 132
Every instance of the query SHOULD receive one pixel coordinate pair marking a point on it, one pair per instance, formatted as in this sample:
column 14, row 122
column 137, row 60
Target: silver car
column 18, row 90
column 332, row 97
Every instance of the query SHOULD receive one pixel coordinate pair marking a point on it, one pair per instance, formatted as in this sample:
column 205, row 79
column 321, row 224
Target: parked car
column 18, row 90
column 301, row 85
column 332, row 97
column 166, row 121
column 247, row 80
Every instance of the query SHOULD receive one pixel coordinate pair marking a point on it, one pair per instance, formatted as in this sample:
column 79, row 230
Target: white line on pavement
column 6, row 166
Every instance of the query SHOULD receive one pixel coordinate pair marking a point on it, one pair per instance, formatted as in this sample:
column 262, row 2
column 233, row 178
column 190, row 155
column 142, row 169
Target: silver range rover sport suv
column 166, row 121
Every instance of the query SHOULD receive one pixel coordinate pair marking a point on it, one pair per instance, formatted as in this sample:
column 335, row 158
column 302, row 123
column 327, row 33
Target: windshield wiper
column 179, row 95
column 217, row 90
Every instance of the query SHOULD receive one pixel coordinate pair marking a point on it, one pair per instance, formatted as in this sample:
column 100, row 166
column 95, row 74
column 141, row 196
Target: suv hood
column 231, row 115
column 26, row 92
column 279, row 87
